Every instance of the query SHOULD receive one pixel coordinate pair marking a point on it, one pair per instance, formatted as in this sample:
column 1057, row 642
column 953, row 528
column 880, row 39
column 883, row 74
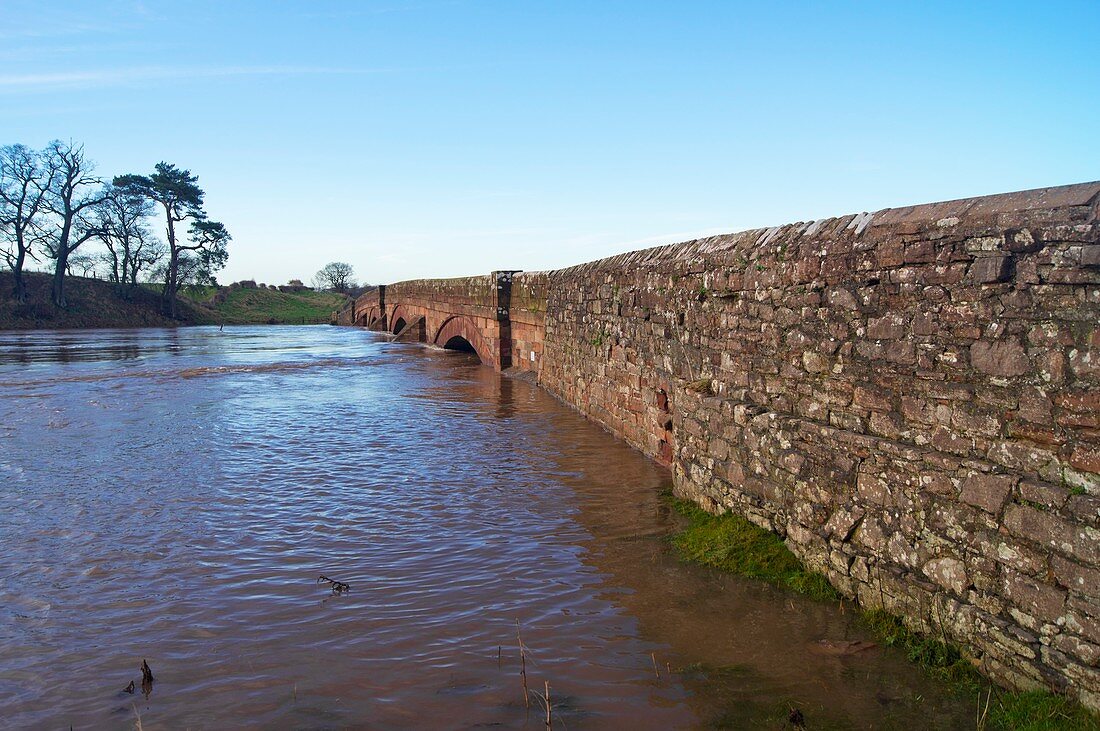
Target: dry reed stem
column 523, row 668
column 984, row 712
column 549, row 712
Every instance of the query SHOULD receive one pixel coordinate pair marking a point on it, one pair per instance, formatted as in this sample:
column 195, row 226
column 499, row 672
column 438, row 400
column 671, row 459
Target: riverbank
column 236, row 305
column 94, row 303
column 732, row 544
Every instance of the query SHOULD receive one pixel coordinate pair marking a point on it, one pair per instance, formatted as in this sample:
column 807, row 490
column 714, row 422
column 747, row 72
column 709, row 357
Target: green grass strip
column 733, row 544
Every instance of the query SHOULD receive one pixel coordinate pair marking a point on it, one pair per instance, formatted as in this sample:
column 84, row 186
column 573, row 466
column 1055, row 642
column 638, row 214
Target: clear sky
column 418, row 138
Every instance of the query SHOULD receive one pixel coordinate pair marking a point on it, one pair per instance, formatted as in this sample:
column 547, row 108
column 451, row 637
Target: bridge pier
column 504, row 317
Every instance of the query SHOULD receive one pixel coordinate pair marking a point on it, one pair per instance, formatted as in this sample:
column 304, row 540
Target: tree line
column 52, row 203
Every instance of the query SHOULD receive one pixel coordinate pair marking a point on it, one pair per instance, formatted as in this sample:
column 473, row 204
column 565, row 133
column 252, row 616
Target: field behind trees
column 96, row 303
column 242, row 306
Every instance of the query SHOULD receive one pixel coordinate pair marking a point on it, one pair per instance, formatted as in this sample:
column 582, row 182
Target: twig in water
column 653, row 657
column 338, row 587
column 146, row 679
column 523, row 668
column 498, row 657
column 549, row 712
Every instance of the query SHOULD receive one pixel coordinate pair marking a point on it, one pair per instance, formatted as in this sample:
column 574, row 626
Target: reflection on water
column 174, row 495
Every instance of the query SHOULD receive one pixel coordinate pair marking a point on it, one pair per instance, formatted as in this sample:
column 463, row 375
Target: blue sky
column 419, row 138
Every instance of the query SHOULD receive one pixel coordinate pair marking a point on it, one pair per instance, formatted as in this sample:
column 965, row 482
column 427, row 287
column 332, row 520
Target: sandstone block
column 815, row 362
column 949, row 573
column 1042, row 493
column 988, row 491
column 1046, row 529
column 1080, row 402
column 1085, row 457
column 872, row 398
column 1039, row 599
column 1085, row 363
column 890, row 327
column 1075, row 647
column 991, row 269
column 1000, row 357
column 1090, row 256
column 843, row 298
column 843, row 523
column 1074, row 576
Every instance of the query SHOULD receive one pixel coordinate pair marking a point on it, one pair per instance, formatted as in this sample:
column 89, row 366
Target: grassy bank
column 267, row 306
column 92, row 303
column 733, row 544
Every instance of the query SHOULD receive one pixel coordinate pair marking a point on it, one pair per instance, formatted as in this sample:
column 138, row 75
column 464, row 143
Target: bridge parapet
column 462, row 312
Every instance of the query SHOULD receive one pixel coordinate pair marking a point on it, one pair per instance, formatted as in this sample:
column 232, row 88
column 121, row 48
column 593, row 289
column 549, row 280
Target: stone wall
column 474, row 308
column 911, row 398
column 527, row 312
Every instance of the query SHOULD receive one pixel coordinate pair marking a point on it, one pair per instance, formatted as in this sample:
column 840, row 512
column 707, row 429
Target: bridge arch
column 368, row 317
column 400, row 316
column 458, row 332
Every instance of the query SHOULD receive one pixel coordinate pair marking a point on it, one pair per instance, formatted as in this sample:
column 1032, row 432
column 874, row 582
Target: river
column 174, row 495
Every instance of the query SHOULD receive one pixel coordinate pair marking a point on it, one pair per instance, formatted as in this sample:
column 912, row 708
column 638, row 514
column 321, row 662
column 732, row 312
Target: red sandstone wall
column 440, row 301
column 910, row 397
column 528, row 318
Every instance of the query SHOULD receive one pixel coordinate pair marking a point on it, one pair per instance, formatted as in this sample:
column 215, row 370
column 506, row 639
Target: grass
column 733, row 544
column 91, row 303
column 95, row 303
column 703, row 385
column 941, row 660
column 260, row 306
column 1038, row 710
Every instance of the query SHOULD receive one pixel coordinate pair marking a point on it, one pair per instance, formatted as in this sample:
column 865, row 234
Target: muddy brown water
column 173, row 495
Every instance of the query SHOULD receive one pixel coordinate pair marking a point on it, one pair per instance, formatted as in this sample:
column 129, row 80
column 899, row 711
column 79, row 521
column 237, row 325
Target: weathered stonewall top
column 983, row 211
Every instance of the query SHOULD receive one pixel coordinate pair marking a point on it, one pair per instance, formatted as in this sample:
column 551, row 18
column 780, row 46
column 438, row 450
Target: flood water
column 173, row 495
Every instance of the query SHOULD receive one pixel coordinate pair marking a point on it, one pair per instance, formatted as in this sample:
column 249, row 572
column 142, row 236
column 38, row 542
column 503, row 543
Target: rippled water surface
column 174, row 495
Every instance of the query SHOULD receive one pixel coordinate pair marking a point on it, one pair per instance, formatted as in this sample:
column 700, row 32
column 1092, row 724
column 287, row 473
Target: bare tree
column 337, row 276
column 24, row 180
column 178, row 193
column 146, row 257
column 131, row 247
column 71, row 197
column 84, row 263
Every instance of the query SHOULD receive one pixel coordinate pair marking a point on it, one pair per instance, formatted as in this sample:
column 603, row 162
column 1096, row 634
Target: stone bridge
column 910, row 398
column 489, row 316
